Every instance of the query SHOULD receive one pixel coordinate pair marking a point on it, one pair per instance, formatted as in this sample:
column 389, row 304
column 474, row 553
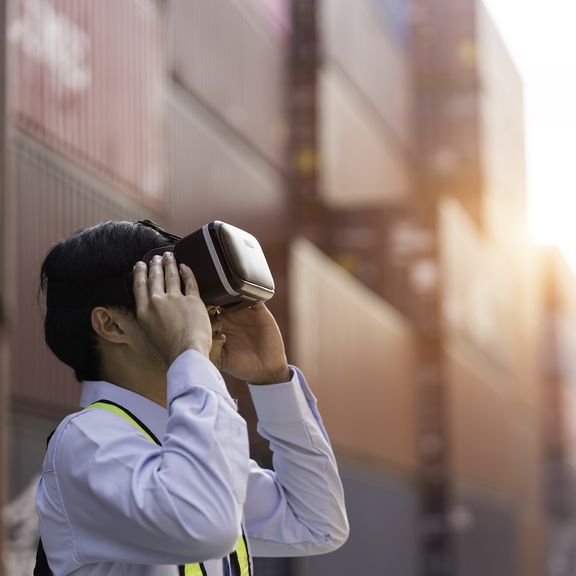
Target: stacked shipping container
column 559, row 347
column 470, row 111
column 425, row 357
column 135, row 109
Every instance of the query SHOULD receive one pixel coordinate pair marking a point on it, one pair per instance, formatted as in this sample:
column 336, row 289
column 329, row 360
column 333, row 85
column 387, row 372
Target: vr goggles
column 228, row 263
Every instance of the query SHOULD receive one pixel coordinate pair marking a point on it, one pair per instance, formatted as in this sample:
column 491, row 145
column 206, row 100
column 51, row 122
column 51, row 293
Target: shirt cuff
column 280, row 403
column 192, row 369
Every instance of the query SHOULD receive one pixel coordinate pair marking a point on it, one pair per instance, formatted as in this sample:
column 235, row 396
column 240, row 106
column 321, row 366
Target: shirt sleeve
column 128, row 500
column 297, row 509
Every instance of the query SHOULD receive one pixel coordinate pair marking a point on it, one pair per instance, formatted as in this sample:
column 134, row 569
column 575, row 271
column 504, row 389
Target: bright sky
column 541, row 36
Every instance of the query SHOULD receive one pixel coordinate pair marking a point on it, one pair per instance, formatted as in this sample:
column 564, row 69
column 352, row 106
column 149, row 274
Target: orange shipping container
column 358, row 354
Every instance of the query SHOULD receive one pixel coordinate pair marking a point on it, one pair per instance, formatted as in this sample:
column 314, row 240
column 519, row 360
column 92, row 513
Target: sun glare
column 540, row 36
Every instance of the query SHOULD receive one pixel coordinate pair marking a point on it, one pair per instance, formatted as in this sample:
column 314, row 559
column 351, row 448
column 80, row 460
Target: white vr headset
column 228, row 263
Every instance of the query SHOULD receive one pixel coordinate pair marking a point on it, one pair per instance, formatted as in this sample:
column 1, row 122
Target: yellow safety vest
column 239, row 559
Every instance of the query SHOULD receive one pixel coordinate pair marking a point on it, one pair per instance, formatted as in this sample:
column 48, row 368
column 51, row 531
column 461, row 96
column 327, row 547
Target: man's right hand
column 173, row 321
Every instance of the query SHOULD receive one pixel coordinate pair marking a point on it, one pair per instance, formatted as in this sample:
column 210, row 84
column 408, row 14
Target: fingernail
column 156, row 258
column 168, row 255
column 139, row 264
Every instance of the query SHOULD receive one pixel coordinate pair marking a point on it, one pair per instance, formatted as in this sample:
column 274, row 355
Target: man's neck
column 148, row 383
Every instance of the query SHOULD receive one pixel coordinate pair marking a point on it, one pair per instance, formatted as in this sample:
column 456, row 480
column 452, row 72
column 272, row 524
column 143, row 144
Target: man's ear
column 108, row 324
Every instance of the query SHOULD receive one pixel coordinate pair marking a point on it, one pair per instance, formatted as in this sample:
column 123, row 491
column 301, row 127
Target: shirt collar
column 150, row 413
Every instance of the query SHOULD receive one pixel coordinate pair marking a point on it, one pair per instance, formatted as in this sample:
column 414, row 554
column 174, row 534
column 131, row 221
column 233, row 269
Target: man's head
column 81, row 264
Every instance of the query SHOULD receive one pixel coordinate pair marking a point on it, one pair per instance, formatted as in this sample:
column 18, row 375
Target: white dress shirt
column 111, row 502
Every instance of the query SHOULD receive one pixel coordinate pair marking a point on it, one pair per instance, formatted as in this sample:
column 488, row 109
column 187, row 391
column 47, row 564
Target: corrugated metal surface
column 486, row 445
column 496, row 447
column 234, row 62
column 357, row 244
column 397, row 18
column 372, row 58
column 276, row 14
column 88, row 79
column 215, row 175
column 5, row 272
column 360, row 161
column 483, row 293
column 359, row 357
column 54, row 199
column 447, row 110
column 490, row 308
column 28, row 435
column 558, row 342
column 493, row 305
column 486, row 534
column 383, row 515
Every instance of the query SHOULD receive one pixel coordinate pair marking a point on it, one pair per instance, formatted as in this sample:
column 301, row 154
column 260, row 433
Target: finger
column 140, row 285
column 190, row 284
column 171, row 276
column 156, row 277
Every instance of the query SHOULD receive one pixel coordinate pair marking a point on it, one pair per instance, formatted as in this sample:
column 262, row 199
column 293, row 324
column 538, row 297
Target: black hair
column 78, row 263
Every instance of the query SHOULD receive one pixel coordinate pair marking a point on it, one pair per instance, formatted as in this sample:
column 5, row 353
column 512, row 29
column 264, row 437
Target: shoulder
column 83, row 433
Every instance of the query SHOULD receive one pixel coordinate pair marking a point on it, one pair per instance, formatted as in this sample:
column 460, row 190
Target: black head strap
column 149, row 224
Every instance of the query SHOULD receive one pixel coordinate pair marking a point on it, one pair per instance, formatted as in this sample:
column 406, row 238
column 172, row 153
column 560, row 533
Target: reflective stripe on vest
column 240, row 558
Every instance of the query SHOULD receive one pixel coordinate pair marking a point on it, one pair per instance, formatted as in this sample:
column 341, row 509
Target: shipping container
column 358, row 353
column 232, row 57
column 359, row 357
column 502, row 138
column 356, row 239
column 373, row 60
column 384, row 518
column 486, row 527
column 447, row 120
column 480, row 289
column 361, row 164
column 5, row 271
column 496, row 455
column 55, row 198
column 87, row 81
column 214, row 175
column 558, row 349
column 492, row 300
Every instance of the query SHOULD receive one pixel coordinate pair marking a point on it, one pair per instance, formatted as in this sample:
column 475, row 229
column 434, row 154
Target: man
column 153, row 475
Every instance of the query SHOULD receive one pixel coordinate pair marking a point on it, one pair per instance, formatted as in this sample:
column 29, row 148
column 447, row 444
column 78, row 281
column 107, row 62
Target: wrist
column 279, row 376
column 201, row 348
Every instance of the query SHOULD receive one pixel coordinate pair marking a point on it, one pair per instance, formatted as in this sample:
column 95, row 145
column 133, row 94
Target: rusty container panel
column 359, row 356
column 361, row 163
column 231, row 56
column 496, row 449
column 481, row 437
column 373, row 58
column 53, row 201
column 494, row 442
column 214, row 175
column 88, row 80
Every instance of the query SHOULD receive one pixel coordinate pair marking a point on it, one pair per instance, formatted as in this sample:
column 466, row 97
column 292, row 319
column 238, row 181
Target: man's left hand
column 254, row 348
